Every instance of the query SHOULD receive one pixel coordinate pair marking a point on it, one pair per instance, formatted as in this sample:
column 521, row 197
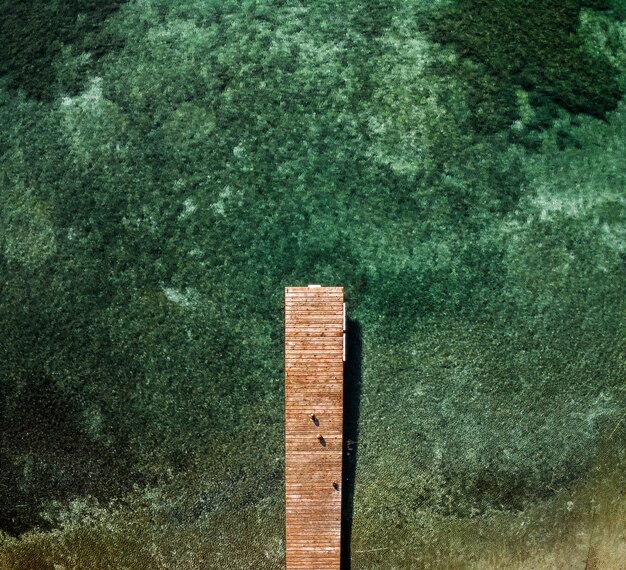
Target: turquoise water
column 168, row 167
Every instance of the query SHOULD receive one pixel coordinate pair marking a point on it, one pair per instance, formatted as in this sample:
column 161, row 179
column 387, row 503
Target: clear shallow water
column 168, row 169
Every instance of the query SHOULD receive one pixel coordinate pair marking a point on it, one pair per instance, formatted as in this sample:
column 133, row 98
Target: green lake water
column 167, row 168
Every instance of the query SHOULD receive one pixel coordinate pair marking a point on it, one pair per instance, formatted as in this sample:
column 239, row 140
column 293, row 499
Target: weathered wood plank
column 314, row 337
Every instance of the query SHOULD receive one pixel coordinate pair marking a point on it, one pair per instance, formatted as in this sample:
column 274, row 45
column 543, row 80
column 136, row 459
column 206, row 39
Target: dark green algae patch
column 51, row 46
column 168, row 168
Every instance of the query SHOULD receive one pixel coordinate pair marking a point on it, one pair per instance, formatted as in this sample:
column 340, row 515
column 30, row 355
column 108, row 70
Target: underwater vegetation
column 51, row 46
column 168, row 167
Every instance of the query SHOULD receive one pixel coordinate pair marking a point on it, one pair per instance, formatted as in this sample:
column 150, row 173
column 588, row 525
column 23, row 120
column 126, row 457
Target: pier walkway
column 314, row 356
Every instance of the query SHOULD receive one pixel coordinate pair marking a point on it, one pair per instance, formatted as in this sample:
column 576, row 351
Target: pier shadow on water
column 351, row 411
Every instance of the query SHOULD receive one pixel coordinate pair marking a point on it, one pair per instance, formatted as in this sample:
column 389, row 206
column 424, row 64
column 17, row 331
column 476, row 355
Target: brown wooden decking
column 314, row 354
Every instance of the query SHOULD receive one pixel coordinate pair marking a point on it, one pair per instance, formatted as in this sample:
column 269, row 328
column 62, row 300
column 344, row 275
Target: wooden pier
column 314, row 356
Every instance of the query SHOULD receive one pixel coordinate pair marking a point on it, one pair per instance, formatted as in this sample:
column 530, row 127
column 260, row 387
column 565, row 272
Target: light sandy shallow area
column 583, row 528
